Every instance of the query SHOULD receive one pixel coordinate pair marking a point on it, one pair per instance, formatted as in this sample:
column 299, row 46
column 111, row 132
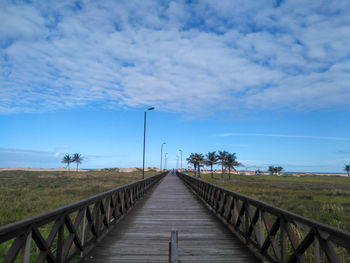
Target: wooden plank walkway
column 143, row 235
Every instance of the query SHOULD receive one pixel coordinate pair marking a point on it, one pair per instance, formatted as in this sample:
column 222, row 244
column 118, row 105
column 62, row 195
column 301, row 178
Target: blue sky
column 268, row 80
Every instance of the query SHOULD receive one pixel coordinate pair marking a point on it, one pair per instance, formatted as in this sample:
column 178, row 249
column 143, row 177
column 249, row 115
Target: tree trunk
column 229, row 173
column 77, row 167
column 222, row 170
column 212, row 175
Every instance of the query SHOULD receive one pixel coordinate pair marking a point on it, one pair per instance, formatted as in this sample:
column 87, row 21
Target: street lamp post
column 181, row 159
column 166, row 161
column 144, row 142
column 161, row 155
column 177, row 162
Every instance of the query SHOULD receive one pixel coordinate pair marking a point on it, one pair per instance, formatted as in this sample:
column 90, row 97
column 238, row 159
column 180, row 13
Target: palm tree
column 77, row 158
column 196, row 159
column 347, row 169
column 271, row 170
column 191, row 160
column 231, row 162
column 211, row 159
column 221, row 158
column 199, row 159
column 67, row 159
column 278, row 169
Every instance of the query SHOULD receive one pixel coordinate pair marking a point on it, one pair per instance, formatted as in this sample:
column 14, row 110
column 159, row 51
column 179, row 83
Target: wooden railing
column 272, row 233
column 173, row 247
column 68, row 233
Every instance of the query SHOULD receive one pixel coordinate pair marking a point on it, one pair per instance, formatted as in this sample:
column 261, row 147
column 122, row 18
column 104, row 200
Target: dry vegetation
column 323, row 198
column 27, row 193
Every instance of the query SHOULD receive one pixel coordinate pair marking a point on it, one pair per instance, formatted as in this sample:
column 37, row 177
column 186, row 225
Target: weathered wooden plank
column 143, row 235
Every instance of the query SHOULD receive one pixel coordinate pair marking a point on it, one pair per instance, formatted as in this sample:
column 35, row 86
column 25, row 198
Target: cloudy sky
column 269, row 80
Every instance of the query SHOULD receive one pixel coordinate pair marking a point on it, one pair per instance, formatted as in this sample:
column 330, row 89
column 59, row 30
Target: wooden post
column 82, row 234
column 282, row 240
column 25, row 257
column 173, row 245
column 60, row 240
column 246, row 221
column 318, row 256
column 235, row 214
column 108, row 212
column 261, row 228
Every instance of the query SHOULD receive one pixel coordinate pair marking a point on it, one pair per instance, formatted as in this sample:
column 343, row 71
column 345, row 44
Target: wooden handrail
column 270, row 232
column 73, row 229
column 173, row 247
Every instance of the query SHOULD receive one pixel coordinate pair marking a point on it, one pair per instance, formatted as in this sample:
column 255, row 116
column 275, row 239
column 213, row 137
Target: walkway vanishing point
column 132, row 223
column 144, row 234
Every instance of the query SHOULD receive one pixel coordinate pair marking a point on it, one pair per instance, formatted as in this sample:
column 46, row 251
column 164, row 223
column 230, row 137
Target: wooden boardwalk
column 143, row 235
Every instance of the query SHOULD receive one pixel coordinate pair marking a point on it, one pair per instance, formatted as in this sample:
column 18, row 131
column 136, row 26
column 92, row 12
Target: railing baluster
column 60, row 239
column 25, row 257
column 235, row 212
column 14, row 249
column 317, row 250
column 246, row 220
column 261, row 229
column 82, row 232
column 282, row 240
column 108, row 212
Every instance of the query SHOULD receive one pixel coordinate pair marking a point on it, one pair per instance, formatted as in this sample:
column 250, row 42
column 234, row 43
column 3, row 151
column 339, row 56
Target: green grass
column 325, row 199
column 26, row 193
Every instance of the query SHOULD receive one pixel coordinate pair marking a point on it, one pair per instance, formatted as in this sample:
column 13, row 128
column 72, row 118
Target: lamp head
column 151, row 108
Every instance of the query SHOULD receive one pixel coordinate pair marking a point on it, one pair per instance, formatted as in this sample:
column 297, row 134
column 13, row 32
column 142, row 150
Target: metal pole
column 181, row 159
column 144, row 142
column 165, row 161
column 177, row 162
column 161, row 155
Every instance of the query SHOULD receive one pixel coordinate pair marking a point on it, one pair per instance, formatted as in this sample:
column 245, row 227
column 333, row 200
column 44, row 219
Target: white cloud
column 177, row 57
column 11, row 157
column 27, row 158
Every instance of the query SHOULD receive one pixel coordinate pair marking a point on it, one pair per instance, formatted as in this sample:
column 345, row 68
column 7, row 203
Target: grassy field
column 26, row 193
column 23, row 194
column 323, row 198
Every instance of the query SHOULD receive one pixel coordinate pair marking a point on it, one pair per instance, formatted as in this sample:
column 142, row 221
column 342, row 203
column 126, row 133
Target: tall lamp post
column 177, row 162
column 166, row 161
column 161, row 155
column 144, row 142
column 181, row 159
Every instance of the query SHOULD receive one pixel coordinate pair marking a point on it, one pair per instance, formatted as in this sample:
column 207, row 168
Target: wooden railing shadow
column 272, row 233
column 68, row 233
